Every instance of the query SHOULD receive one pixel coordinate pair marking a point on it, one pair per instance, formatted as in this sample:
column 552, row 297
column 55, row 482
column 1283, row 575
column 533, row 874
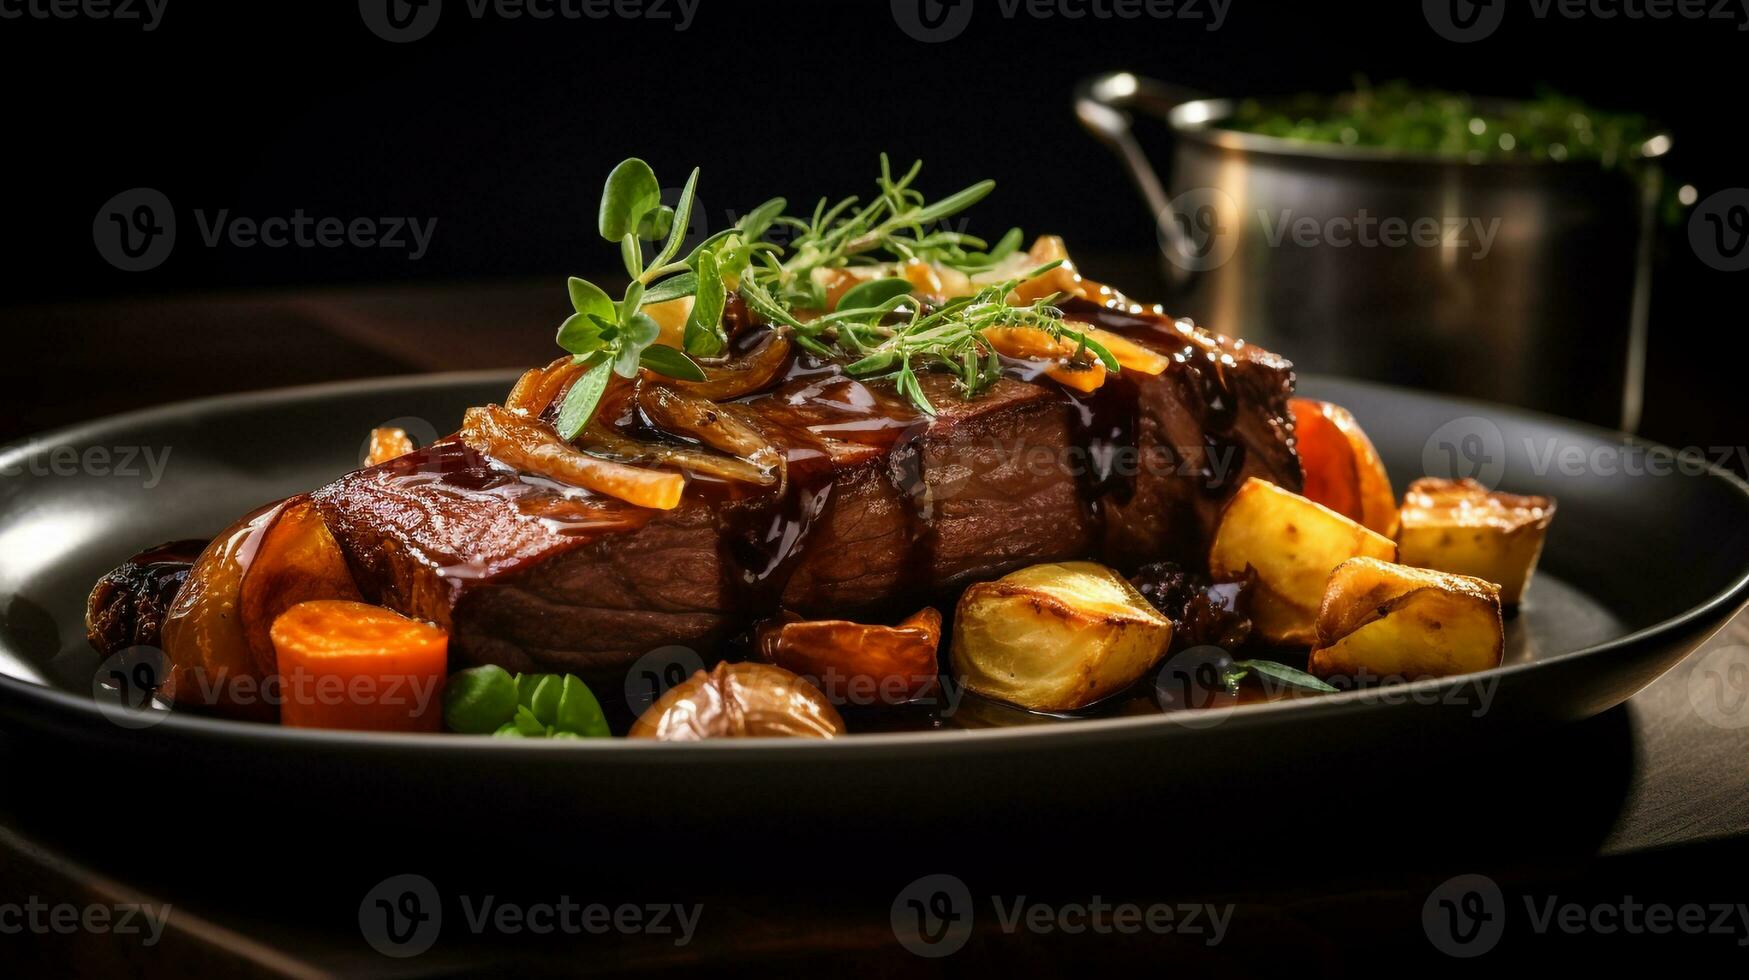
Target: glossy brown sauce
column 824, row 421
column 452, row 471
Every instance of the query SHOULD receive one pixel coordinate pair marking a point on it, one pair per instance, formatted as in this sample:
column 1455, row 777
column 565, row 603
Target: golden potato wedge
column 1056, row 637
column 1381, row 620
column 1293, row 544
column 1458, row 526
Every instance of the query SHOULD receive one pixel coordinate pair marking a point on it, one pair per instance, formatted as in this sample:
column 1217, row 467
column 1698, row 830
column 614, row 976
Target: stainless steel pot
column 1512, row 281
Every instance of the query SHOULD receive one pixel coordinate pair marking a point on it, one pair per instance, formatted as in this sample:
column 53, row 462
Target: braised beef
column 885, row 509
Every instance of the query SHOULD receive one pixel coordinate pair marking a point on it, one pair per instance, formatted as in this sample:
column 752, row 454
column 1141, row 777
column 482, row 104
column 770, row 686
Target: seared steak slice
column 884, row 508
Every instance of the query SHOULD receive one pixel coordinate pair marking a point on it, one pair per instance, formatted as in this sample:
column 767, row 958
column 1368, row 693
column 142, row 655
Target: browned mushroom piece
column 746, row 700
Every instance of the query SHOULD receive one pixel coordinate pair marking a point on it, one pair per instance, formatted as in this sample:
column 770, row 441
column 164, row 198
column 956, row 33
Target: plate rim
column 1097, row 729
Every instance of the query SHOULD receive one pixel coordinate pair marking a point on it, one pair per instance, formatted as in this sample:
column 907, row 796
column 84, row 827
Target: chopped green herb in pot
column 1398, row 116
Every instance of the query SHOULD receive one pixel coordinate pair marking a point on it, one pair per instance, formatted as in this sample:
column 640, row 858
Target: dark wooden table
column 1327, row 870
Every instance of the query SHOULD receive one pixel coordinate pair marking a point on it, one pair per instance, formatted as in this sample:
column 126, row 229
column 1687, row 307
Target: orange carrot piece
column 1033, row 345
column 350, row 665
column 1130, row 355
column 1081, row 377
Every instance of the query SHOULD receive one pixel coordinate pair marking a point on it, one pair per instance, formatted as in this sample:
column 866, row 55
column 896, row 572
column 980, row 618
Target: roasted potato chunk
column 1056, row 637
column 1380, row 620
column 1459, row 526
column 1343, row 470
column 1293, row 545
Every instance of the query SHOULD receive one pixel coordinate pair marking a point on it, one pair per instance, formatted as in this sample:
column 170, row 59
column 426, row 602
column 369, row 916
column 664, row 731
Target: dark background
column 503, row 129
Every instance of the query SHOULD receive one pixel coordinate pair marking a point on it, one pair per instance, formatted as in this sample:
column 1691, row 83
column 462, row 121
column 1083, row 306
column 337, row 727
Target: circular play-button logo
column 933, row 21
column 1464, row 21
column 400, row 21
column 135, row 230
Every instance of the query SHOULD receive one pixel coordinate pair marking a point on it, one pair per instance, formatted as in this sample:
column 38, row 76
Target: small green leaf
column 1282, row 673
column 633, row 301
column 528, row 725
column 668, row 361
column 953, row 203
column 631, row 192
column 873, row 293
column 582, row 333
column 656, row 223
column 682, row 218
column 672, row 288
column 813, row 347
column 479, row 700
column 587, row 297
column 1008, row 245
column 509, row 730
column 632, row 256
column 755, row 223
column 1098, row 350
column 872, row 364
column 640, row 332
column 707, row 245
column 704, row 325
column 580, row 401
column 544, row 703
column 579, row 713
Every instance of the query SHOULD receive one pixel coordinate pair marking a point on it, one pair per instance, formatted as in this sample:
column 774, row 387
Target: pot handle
column 1104, row 104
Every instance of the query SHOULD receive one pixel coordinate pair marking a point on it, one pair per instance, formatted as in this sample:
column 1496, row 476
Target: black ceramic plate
column 1648, row 556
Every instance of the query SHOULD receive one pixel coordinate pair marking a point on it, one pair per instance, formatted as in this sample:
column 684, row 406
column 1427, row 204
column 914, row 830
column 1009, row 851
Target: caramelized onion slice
column 1130, row 355
column 747, row 700
column 537, row 388
column 852, row 661
column 532, row 446
column 387, row 444
column 717, row 426
column 689, row 415
column 746, row 375
column 1058, row 354
column 635, row 453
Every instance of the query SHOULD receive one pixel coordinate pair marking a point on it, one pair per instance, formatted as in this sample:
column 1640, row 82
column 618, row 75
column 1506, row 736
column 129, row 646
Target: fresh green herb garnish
column 478, row 700
column 877, row 325
column 1280, row 673
column 617, row 338
column 950, row 338
column 488, row 700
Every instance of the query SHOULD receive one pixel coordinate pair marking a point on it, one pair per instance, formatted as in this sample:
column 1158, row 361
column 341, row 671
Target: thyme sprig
column 952, row 339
